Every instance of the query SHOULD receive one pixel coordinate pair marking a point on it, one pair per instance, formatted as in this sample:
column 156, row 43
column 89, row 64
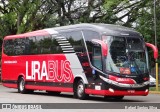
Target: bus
column 84, row 59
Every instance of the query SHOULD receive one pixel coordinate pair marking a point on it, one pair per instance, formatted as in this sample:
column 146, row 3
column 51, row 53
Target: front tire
column 80, row 90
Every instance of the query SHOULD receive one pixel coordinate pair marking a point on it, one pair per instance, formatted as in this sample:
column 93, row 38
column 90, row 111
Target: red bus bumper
column 117, row 92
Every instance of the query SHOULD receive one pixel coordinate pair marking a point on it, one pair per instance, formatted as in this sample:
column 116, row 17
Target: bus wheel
column 80, row 90
column 21, row 86
column 53, row 93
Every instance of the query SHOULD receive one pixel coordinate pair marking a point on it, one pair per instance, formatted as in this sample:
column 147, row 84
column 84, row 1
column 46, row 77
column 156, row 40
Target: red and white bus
column 98, row 59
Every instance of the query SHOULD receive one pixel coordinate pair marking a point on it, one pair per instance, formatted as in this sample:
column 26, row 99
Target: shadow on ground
column 91, row 97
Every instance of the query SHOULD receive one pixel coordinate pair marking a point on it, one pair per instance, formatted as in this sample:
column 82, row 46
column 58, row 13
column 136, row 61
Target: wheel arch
column 19, row 76
column 77, row 78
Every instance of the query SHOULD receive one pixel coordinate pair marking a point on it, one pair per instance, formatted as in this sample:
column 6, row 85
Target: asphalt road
column 9, row 95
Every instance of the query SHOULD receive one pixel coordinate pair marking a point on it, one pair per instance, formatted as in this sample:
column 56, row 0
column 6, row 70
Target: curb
column 154, row 92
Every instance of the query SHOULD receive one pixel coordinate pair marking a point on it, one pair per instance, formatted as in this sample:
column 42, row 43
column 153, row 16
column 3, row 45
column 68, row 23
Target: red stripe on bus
column 62, row 89
column 10, row 85
column 34, row 33
column 116, row 92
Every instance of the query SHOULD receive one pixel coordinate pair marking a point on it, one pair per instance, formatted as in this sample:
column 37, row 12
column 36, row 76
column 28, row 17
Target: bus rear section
column 83, row 59
column 29, row 64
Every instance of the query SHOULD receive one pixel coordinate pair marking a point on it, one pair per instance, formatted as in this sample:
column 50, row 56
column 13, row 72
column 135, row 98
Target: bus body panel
column 45, row 68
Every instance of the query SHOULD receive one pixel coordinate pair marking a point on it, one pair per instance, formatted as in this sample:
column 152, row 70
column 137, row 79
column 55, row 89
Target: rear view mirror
column 154, row 48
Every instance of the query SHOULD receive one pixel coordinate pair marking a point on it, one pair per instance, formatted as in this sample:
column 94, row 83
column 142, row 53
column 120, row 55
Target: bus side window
column 95, row 54
column 94, row 51
column 19, row 46
column 44, row 44
column 32, row 45
column 55, row 48
column 9, row 47
column 27, row 47
column 97, row 57
column 75, row 38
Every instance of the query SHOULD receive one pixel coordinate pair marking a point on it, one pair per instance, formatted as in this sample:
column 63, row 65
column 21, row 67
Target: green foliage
column 18, row 16
column 145, row 25
column 154, row 89
column 112, row 4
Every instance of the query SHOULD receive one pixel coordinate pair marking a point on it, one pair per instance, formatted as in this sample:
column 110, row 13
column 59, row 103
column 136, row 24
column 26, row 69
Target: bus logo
column 49, row 70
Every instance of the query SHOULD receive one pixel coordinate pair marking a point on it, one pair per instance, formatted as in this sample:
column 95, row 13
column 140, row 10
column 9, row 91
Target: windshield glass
column 126, row 55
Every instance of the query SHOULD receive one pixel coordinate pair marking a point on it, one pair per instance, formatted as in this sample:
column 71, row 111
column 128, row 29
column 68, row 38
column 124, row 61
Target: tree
column 18, row 16
column 145, row 24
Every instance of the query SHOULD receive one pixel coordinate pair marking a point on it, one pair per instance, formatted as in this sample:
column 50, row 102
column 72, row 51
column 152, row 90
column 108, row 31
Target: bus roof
column 108, row 29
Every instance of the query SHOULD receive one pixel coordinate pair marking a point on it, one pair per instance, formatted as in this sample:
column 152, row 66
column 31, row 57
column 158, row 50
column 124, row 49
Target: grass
column 154, row 89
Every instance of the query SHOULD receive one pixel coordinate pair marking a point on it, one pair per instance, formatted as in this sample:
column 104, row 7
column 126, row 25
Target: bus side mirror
column 103, row 46
column 154, row 48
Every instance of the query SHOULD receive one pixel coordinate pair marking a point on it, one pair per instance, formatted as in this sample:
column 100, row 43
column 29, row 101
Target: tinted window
column 48, row 45
column 19, row 46
column 96, row 56
column 43, row 45
column 32, row 46
column 14, row 46
column 134, row 44
column 8, row 47
column 89, row 35
column 75, row 39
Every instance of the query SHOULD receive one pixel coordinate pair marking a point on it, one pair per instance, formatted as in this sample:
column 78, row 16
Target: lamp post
column 155, row 30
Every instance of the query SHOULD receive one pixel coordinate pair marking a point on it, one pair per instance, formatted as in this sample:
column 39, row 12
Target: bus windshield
column 126, row 56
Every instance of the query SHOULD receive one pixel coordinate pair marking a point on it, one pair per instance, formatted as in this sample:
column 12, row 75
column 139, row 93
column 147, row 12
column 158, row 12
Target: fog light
column 111, row 90
column 146, row 90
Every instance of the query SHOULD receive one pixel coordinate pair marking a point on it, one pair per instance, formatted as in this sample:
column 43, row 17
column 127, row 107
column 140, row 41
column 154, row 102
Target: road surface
column 9, row 95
